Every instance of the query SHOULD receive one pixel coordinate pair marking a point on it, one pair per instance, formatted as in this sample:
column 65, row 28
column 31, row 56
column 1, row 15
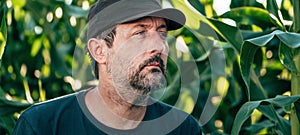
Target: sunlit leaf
column 222, row 86
column 3, row 37
column 19, row 3
column 36, row 46
column 192, row 16
column 232, row 34
column 197, row 23
column 249, row 16
column 46, row 71
column 19, row 13
column 274, row 11
column 199, row 6
column 186, row 102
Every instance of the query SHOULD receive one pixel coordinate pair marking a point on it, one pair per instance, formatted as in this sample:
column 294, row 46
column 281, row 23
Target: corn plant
column 264, row 105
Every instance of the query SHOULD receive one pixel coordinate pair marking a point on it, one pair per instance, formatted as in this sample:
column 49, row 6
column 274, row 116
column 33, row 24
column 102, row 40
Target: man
column 126, row 42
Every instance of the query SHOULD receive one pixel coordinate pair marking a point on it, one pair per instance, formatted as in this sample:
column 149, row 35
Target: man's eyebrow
column 143, row 25
column 136, row 26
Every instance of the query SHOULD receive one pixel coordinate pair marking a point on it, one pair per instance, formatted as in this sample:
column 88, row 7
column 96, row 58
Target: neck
column 125, row 104
column 105, row 103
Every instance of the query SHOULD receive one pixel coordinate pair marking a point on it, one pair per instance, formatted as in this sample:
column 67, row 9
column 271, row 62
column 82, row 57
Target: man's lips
column 153, row 64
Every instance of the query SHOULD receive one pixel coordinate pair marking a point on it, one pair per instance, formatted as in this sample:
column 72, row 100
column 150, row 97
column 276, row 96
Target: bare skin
column 116, row 102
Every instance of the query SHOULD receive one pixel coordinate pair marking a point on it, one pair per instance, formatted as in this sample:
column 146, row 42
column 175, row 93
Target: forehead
column 146, row 21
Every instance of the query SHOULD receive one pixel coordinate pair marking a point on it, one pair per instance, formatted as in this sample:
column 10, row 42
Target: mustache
column 155, row 58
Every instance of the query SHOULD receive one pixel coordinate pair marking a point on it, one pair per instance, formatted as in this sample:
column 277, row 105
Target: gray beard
column 136, row 87
column 140, row 88
column 142, row 82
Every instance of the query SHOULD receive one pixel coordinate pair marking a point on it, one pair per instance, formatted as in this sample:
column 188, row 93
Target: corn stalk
column 296, row 77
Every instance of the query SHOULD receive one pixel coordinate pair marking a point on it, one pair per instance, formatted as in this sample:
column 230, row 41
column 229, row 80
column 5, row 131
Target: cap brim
column 176, row 19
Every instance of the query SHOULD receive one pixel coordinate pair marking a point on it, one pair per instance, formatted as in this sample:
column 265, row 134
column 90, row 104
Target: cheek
column 120, row 63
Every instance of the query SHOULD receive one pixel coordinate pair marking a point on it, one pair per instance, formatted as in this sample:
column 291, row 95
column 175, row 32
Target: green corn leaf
column 283, row 101
column 247, row 57
column 199, row 6
column 195, row 22
column 272, row 7
column 249, row 16
column 266, row 107
column 269, row 111
column 7, row 122
column 242, row 115
column 36, row 46
column 8, row 106
column 3, row 37
column 250, row 47
column 246, row 34
column 232, row 34
column 248, row 51
column 286, row 57
column 289, row 38
column 192, row 16
column 255, row 128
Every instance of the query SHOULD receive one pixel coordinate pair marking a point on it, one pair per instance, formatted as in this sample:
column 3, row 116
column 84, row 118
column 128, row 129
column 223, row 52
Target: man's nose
column 157, row 44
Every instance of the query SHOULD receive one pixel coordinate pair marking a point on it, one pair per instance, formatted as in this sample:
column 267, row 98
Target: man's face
column 138, row 56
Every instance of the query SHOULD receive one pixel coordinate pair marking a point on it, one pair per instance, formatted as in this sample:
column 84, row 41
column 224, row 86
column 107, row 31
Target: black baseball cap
column 105, row 14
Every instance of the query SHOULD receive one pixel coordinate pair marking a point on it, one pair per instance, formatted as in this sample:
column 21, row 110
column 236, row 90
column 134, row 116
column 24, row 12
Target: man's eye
column 140, row 33
column 163, row 34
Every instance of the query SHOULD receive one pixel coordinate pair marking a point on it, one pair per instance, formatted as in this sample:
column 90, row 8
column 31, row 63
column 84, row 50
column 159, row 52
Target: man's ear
column 97, row 48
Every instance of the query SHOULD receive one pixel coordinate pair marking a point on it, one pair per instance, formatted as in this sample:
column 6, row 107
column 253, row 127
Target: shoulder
column 41, row 118
column 56, row 102
column 48, row 105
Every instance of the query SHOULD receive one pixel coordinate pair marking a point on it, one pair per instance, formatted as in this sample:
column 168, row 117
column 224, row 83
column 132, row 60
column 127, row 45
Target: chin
column 149, row 79
column 155, row 82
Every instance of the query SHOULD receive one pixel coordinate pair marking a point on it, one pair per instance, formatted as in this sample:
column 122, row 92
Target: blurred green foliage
column 245, row 61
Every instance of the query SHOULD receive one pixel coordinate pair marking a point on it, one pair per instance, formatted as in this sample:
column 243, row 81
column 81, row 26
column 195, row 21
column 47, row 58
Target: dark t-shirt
column 69, row 115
